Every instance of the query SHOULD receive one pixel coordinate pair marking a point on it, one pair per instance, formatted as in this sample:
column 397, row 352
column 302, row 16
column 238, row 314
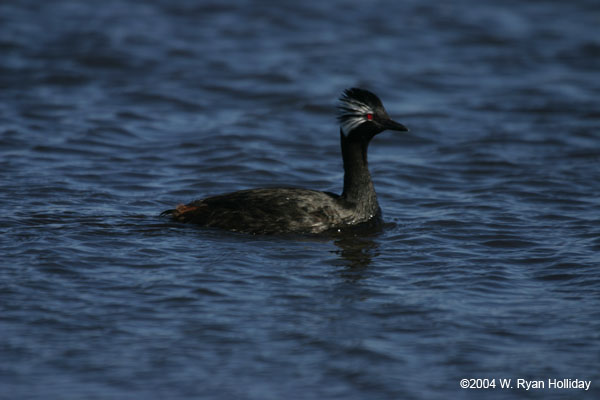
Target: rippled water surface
column 489, row 263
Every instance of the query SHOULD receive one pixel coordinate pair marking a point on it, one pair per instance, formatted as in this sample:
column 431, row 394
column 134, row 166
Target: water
column 488, row 266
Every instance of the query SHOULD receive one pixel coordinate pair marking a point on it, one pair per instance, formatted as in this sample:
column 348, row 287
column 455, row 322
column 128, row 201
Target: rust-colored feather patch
column 182, row 209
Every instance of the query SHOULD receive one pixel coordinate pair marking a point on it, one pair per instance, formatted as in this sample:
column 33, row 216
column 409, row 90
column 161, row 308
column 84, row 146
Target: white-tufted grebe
column 291, row 210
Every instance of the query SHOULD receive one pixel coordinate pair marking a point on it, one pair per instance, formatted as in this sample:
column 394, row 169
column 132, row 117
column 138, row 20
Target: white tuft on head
column 353, row 109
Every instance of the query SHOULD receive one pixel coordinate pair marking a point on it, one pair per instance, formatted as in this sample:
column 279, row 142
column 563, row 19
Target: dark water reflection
column 356, row 253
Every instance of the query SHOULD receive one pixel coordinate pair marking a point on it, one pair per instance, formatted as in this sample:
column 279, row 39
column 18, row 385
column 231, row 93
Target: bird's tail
column 181, row 213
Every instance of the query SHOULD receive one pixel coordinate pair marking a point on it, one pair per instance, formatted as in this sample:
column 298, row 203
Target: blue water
column 488, row 265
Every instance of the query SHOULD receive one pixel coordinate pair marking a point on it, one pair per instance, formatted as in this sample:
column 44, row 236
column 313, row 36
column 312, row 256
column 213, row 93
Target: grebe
column 290, row 210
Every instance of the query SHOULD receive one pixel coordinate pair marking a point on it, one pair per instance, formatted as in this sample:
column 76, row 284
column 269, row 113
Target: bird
column 282, row 210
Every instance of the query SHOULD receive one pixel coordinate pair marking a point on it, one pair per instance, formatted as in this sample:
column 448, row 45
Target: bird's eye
column 370, row 117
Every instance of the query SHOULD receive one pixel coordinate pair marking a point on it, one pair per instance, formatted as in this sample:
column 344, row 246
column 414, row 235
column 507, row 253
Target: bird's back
column 273, row 210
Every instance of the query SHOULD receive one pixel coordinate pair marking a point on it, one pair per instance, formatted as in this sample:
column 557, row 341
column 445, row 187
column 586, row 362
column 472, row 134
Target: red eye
column 370, row 117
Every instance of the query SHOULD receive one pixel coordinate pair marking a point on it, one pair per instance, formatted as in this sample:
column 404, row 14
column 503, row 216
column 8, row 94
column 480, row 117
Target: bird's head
column 361, row 114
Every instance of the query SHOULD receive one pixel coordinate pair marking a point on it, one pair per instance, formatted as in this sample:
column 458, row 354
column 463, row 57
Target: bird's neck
column 358, row 186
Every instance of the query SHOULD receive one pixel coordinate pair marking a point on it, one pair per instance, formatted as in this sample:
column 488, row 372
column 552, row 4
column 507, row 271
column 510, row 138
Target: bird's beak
column 394, row 126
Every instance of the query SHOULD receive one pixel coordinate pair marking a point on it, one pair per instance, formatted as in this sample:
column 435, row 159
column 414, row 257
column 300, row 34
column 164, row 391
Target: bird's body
column 291, row 210
column 274, row 210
